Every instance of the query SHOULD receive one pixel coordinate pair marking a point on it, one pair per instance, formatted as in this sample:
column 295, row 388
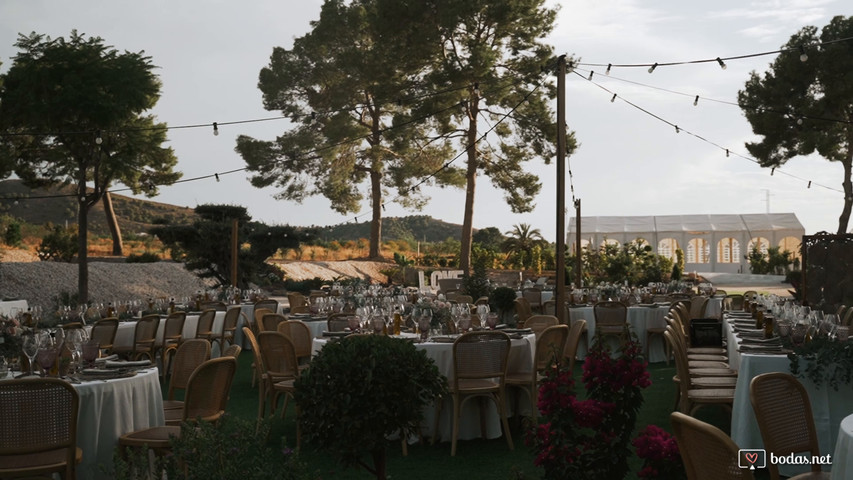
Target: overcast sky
column 209, row 54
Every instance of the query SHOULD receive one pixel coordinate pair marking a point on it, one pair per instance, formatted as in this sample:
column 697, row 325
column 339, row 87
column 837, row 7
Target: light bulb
column 99, row 140
column 696, row 101
column 215, row 129
column 653, row 67
column 607, row 72
column 803, row 55
column 613, row 99
column 591, row 73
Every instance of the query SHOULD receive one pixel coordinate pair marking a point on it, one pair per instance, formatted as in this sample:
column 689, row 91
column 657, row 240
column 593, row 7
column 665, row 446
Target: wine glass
column 492, row 320
column 46, row 357
column 483, row 313
column 76, row 337
column 31, row 348
column 91, row 351
column 424, row 321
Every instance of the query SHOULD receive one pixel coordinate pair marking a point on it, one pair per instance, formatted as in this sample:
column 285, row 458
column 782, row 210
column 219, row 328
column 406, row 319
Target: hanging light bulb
column 607, row 72
column 810, row 184
column 98, row 139
column 217, row 176
column 804, row 57
column 772, row 171
column 800, row 121
column 613, row 99
column 696, row 101
column 727, row 152
column 476, row 89
column 215, row 129
column 721, row 62
column 653, row 67
column 591, row 73
column 677, row 130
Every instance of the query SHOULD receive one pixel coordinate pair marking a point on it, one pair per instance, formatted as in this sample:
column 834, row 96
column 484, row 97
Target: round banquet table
column 639, row 318
column 108, row 410
column 842, row 459
column 521, row 355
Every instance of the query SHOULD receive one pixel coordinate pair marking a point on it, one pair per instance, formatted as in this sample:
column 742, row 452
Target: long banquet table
column 829, row 407
column 520, row 360
column 842, row 459
column 639, row 317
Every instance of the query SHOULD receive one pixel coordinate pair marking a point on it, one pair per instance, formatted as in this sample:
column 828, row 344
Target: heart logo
column 751, row 457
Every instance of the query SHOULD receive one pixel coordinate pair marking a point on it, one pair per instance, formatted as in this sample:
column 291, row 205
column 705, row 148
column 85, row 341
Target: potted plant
column 362, row 390
column 502, row 299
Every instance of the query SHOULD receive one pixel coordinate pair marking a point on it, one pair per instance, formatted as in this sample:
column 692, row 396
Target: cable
column 727, row 150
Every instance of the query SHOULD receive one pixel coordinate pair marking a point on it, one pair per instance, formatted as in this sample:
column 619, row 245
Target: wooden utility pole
column 560, row 300
column 578, row 262
column 235, row 251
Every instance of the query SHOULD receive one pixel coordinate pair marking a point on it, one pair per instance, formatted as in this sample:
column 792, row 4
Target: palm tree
column 522, row 238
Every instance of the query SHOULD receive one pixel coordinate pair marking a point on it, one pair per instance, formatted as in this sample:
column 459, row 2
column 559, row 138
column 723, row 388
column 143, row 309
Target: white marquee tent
column 711, row 243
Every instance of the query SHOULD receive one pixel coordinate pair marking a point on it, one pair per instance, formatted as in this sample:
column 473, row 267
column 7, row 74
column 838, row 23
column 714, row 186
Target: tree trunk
column 379, row 461
column 471, row 176
column 112, row 222
column 376, row 222
column 82, row 248
column 848, row 195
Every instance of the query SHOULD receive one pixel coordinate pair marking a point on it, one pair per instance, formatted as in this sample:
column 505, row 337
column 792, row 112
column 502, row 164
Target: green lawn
column 475, row 459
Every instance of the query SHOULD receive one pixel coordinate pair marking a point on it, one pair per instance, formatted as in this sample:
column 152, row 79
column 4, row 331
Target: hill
column 412, row 228
column 58, row 205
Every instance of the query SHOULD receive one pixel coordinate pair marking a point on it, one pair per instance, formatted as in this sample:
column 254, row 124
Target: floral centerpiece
column 589, row 438
column 10, row 338
column 440, row 310
column 659, row 451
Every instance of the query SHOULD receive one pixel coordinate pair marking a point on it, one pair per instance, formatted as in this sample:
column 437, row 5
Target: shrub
column 13, row 236
column 360, row 390
column 146, row 257
column 60, row 245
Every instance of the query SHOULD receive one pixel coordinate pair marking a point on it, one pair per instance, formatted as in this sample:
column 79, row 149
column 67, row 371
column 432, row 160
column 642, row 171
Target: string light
column 215, row 129
column 653, row 67
column 677, row 130
column 721, row 62
column 772, row 170
column 810, row 184
column 804, row 57
column 607, row 72
column 727, row 153
column 591, row 73
column 217, row 176
column 696, row 101
column 98, row 139
column 476, row 89
column 613, row 99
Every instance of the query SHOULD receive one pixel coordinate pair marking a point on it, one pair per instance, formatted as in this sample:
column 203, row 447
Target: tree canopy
column 804, row 103
column 73, row 111
column 344, row 87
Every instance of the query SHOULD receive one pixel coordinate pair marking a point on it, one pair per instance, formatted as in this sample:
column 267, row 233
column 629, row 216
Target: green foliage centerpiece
column 362, row 390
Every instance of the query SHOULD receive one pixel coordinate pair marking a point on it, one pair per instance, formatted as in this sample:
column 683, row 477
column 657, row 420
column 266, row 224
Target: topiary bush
column 362, row 389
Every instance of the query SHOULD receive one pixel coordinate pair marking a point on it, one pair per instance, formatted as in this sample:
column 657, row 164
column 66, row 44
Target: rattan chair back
column 104, row 332
column 534, row 296
column 538, row 323
column 784, row 415
column 233, row 350
column 205, row 324
column 270, row 321
column 338, row 322
column 173, row 330
column 269, row 303
column 522, row 310
column 733, row 302
column 38, row 427
column 208, row 389
column 707, row 452
column 192, row 353
column 480, row 355
column 258, row 315
column 550, row 346
column 610, row 317
column 214, row 305
column 229, row 325
column 279, row 356
column 698, row 304
column 145, row 335
column 299, row 334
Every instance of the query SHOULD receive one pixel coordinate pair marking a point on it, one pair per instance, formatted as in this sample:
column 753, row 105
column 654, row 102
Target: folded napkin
column 336, row 334
column 519, row 330
column 444, row 339
column 648, row 305
column 123, row 364
column 766, row 349
column 98, row 371
column 106, row 359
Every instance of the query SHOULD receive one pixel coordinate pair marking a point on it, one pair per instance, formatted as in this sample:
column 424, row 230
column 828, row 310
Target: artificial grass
column 474, row 459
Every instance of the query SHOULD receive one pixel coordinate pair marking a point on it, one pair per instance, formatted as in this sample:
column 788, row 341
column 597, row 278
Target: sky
column 209, row 54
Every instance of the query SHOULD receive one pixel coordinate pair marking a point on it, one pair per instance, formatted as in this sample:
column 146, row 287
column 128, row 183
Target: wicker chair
column 733, row 302
column 270, row 321
column 784, row 414
column 279, row 357
column 479, row 370
column 708, row 453
column 229, row 327
column 538, row 323
column 257, row 316
column 690, row 399
column 192, row 353
column 749, row 295
column 338, row 322
column 300, row 334
column 173, row 335
column 214, row 305
column 611, row 319
column 144, row 337
column 206, row 398
column 550, row 345
column 298, row 303
column 268, row 303
column 698, row 305
column 38, row 428
column 204, row 328
column 104, row 332
column 233, row 350
column 534, row 296
column 570, row 351
column 261, row 374
column 522, row 310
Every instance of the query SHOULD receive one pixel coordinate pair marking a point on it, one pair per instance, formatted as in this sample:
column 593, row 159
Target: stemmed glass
column 492, row 320
column 483, row 313
column 31, row 348
column 424, row 321
column 46, row 357
column 76, row 337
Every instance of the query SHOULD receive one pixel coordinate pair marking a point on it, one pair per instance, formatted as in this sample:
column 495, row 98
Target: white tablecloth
column 13, row 307
column 108, row 410
column 520, row 360
column 640, row 318
column 829, row 407
column 842, row 459
column 126, row 330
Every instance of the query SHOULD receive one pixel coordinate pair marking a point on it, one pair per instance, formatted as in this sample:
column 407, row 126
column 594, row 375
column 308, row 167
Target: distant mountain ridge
column 138, row 216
